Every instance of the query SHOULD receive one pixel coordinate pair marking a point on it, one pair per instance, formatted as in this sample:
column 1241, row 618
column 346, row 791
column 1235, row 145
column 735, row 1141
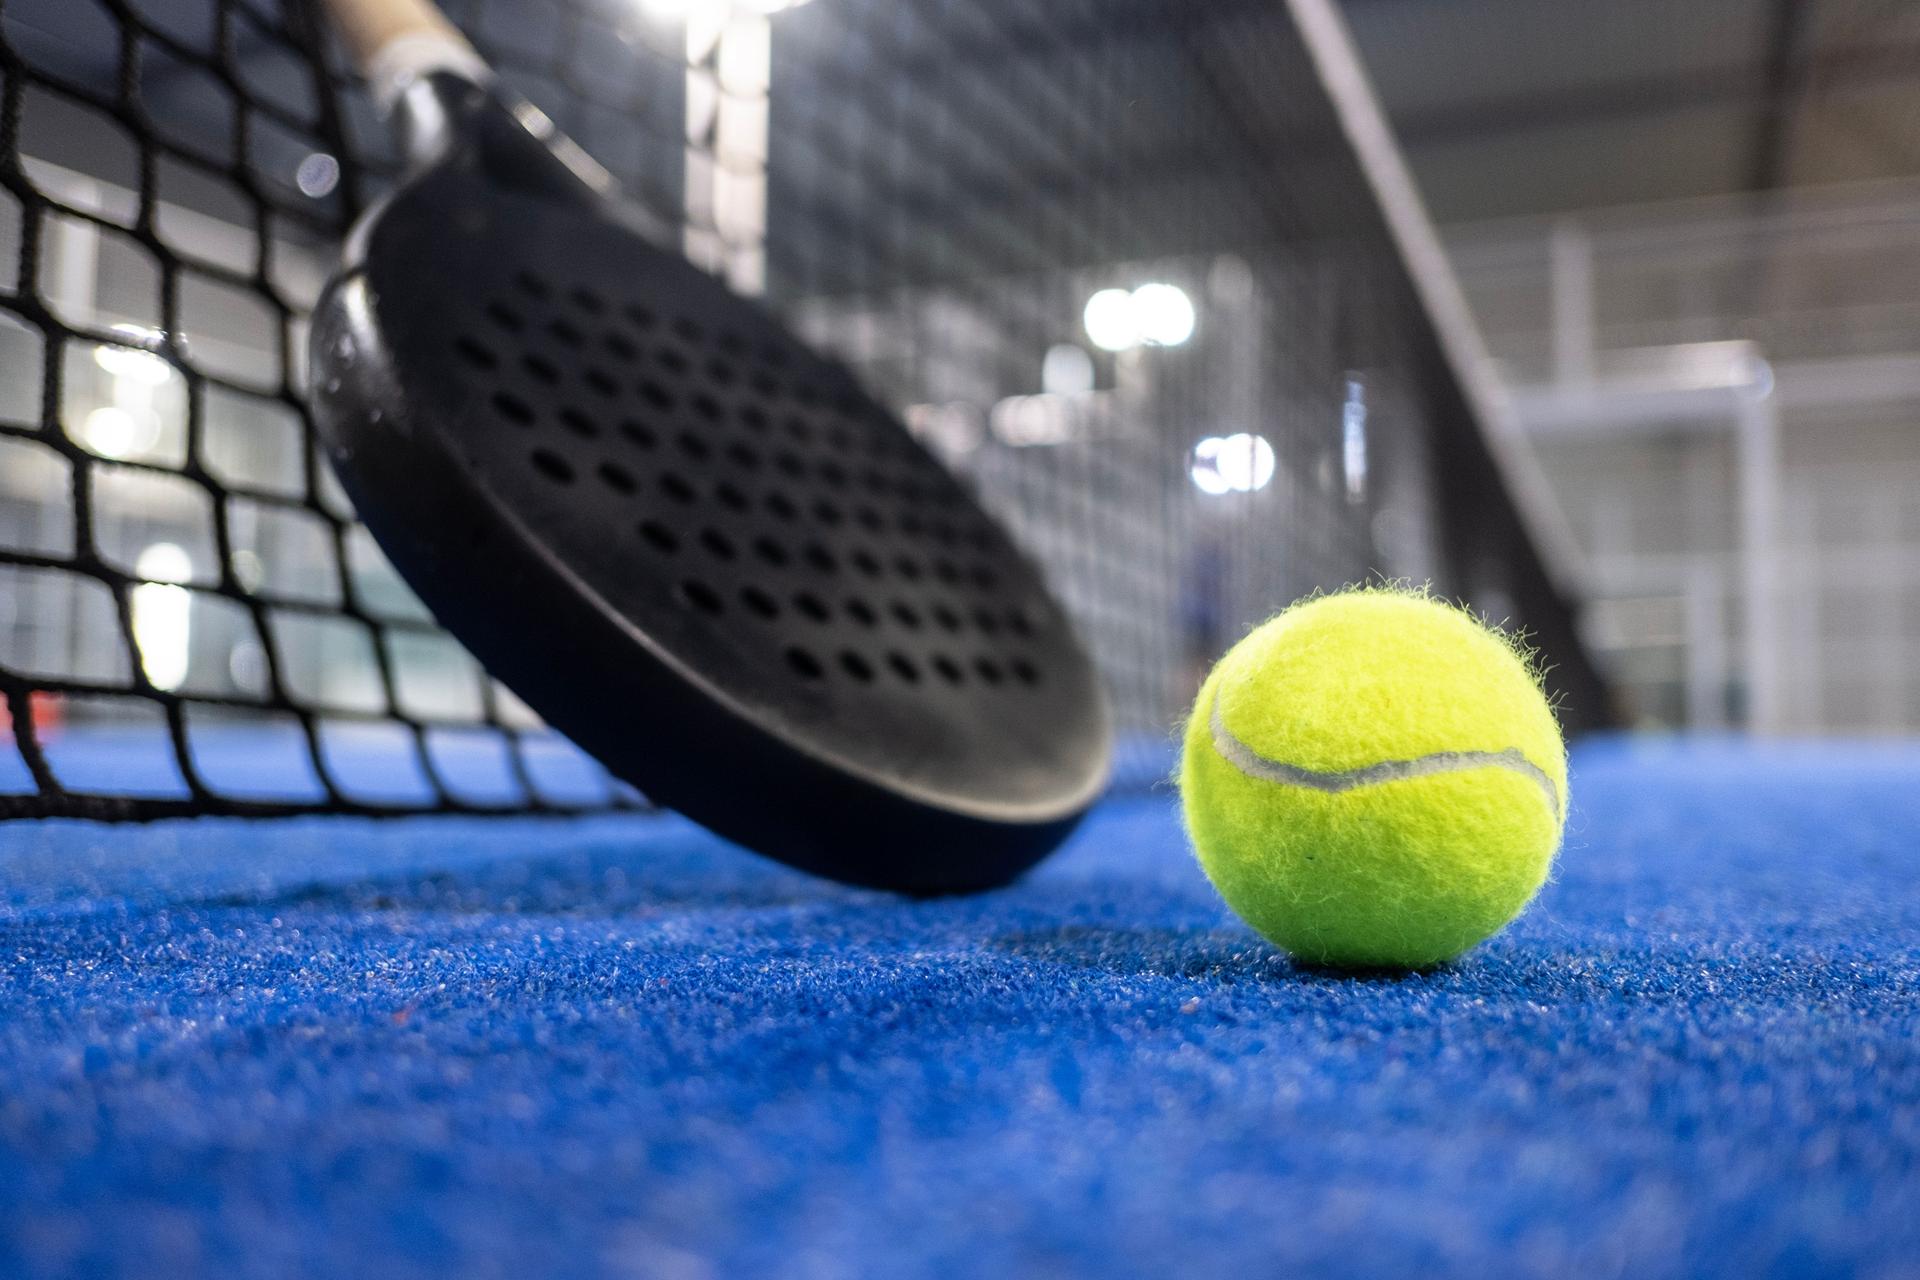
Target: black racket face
column 698, row 548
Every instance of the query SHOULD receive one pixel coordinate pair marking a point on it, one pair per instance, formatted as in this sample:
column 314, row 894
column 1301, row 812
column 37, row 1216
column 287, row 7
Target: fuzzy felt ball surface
column 1374, row 779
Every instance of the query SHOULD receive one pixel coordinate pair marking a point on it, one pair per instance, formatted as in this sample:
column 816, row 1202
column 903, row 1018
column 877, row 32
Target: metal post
column 1570, row 284
column 1758, row 444
column 1706, row 651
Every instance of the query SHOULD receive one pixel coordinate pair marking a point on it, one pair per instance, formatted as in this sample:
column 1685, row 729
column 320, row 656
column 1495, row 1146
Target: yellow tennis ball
column 1374, row 779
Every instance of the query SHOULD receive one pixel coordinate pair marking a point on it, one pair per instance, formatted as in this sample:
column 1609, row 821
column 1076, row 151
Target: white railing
column 1742, row 376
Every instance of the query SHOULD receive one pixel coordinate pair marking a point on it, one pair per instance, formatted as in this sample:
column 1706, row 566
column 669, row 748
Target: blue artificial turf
column 617, row 1046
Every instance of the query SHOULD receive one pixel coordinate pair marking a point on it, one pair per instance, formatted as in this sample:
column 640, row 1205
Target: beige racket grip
column 396, row 41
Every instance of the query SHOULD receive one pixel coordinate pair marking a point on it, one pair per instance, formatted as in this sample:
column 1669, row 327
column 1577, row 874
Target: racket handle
column 395, row 41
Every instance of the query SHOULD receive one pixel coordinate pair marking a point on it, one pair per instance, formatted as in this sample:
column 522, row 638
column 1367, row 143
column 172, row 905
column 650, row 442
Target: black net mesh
column 969, row 203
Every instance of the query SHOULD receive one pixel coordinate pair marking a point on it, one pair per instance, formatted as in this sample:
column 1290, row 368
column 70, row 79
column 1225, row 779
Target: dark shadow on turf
column 1219, row 954
column 599, row 883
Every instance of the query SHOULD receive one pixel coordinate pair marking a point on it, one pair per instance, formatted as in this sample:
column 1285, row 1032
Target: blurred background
column 1691, row 236
column 1604, row 319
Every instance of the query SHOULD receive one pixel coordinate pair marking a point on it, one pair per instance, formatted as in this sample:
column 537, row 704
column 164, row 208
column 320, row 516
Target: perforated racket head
column 689, row 542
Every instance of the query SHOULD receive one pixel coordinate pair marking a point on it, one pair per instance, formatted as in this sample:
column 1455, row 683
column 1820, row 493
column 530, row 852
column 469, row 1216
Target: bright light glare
column 1154, row 315
column 1238, row 463
column 745, row 61
column 1110, row 320
column 162, row 614
column 133, row 364
column 113, row 432
column 1163, row 314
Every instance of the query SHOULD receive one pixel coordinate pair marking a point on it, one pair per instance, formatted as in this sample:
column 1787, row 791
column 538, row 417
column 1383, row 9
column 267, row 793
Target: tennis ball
column 1374, row 780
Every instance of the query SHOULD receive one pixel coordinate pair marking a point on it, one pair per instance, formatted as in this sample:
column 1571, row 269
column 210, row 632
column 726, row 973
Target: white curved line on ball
column 1254, row 765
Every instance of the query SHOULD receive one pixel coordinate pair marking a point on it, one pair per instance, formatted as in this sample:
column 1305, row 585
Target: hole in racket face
column 755, row 482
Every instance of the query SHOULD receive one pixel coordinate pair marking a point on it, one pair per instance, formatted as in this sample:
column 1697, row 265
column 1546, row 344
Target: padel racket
column 693, row 545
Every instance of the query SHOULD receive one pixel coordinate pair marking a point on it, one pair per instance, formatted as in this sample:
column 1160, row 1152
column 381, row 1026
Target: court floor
column 619, row 1046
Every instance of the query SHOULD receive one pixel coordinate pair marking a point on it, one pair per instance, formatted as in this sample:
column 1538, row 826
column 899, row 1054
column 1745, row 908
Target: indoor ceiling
column 1514, row 107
